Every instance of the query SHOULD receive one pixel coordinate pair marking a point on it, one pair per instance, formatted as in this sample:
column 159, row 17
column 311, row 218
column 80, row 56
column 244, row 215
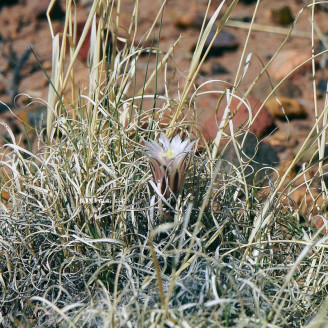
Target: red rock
column 83, row 54
column 286, row 61
column 262, row 125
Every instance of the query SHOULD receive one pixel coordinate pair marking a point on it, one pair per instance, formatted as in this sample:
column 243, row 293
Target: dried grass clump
column 85, row 241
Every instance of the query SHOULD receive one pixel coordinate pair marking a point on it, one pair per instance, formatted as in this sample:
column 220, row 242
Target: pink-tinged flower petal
column 157, row 169
column 175, row 144
column 190, row 146
column 183, row 145
column 164, row 141
column 152, row 146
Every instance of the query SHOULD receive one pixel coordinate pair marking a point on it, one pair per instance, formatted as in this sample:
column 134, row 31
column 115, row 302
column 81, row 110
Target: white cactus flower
column 169, row 162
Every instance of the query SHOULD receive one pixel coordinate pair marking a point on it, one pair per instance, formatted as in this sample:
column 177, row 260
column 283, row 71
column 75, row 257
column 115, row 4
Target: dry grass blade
column 54, row 87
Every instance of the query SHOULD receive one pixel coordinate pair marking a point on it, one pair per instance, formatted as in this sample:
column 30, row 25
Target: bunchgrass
column 86, row 241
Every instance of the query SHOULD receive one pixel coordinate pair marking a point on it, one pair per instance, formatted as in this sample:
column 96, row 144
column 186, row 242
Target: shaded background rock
column 284, row 108
column 282, row 15
column 192, row 18
column 8, row 3
column 224, row 42
column 255, row 155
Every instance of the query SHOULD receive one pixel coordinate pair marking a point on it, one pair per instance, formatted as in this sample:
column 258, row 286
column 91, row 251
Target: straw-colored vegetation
column 87, row 241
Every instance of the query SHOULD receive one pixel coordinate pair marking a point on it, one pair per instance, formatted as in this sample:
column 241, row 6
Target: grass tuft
column 85, row 241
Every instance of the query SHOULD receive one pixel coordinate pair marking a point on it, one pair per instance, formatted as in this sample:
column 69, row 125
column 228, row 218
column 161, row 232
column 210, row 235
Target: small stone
column 282, row 15
column 46, row 65
column 8, row 3
column 204, row 71
column 283, row 137
column 225, row 41
column 290, row 90
column 248, row 2
column 287, row 109
column 322, row 87
column 56, row 12
column 287, row 61
column 190, row 19
column 218, row 68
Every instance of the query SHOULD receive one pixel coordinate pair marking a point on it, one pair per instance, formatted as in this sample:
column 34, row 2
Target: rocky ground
column 24, row 25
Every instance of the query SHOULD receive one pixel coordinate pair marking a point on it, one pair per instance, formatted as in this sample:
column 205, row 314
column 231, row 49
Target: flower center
column 169, row 153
